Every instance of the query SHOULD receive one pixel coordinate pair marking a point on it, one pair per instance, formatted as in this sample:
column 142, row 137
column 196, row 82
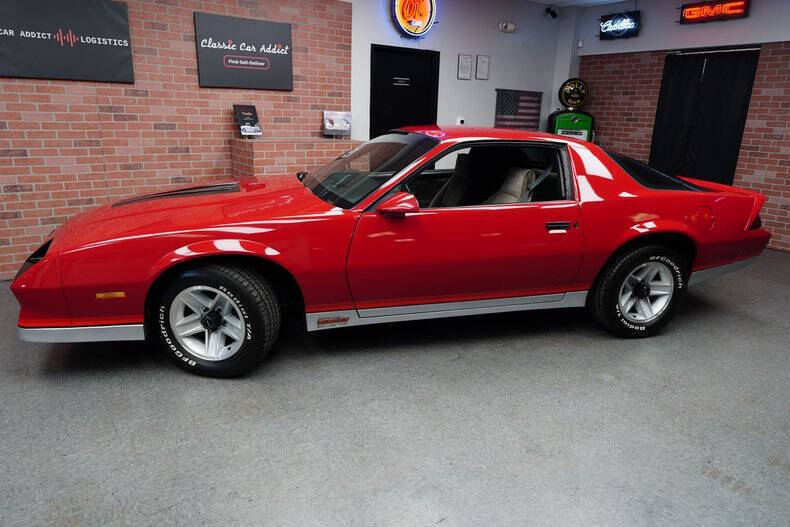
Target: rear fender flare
column 655, row 225
column 645, row 230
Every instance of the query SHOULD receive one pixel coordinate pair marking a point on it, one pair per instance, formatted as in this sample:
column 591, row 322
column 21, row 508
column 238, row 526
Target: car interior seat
column 453, row 192
column 514, row 188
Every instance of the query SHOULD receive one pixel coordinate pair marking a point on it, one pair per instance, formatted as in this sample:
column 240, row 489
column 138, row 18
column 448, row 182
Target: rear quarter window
column 650, row 177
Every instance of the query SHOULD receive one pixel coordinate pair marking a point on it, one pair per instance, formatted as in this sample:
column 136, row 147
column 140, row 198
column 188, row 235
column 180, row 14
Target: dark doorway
column 404, row 87
column 701, row 113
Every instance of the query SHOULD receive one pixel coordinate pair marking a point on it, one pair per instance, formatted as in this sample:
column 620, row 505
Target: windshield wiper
column 301, row 175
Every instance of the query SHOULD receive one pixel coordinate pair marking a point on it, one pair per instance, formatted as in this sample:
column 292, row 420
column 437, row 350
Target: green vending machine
column 572, row 122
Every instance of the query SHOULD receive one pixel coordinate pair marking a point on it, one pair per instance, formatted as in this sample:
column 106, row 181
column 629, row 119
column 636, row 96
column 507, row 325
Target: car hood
column 218, row 204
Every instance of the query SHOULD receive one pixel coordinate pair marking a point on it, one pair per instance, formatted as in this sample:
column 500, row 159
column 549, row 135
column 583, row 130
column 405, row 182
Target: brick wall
column 624, row 91
column 67, row 146
column 283, row 156
column 764, row 162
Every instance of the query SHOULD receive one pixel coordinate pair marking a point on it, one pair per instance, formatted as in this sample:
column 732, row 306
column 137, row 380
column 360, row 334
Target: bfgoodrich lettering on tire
column 638, row 293
column 217, row 320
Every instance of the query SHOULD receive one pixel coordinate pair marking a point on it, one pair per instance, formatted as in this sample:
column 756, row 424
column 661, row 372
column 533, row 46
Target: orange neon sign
column 414, row 17
column 699, row 12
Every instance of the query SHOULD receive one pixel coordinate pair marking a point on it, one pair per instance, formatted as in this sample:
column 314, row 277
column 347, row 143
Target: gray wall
column 768, row 21
column 523, row 60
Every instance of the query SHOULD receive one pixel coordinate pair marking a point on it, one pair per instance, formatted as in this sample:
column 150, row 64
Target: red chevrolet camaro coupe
column 418, row 223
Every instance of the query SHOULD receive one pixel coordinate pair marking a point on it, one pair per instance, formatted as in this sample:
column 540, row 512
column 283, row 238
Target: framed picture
column 483, row 67
column 464, row 67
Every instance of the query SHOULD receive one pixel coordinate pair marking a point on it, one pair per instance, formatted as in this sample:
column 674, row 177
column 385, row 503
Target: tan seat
column 454, row 192
column 514, row 188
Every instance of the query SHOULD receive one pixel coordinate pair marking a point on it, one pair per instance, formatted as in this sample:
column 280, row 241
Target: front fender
column 219, row 247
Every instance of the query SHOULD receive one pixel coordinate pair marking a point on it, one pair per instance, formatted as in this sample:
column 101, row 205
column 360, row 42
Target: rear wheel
column 639, row 291
column 217, row 320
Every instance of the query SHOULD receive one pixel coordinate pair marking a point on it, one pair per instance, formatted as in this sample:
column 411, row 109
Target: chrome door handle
column 558, row 227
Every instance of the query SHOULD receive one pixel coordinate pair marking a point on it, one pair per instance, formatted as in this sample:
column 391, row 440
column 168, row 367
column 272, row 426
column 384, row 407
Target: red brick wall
column 764, row 162
column 67, row 146
column 624, row 91
column 283, row 156
column 623, row 97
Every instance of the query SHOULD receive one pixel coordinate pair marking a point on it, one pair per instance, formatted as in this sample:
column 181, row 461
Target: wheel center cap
column 641, row 290
column 211, row 320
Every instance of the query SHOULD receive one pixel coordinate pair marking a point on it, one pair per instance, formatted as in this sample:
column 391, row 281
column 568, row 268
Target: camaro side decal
column 331, row 322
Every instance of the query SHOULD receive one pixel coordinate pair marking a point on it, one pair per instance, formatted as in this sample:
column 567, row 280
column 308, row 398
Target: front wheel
column 217, row 320
column 639, row 292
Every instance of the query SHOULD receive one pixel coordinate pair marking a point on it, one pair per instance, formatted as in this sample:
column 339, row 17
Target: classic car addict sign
column 243, row 53
column 65, row 39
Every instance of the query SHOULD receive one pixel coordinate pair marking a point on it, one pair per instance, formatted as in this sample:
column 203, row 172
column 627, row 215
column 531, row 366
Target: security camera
column 551, row 12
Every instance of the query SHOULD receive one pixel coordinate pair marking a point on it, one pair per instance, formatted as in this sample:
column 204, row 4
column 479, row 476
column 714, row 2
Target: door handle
column 558, row 227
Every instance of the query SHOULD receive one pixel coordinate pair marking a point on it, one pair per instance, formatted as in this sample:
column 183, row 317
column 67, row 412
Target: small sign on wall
column 247, row 119
column 337, row 124
column 619, row 25
column 713, row 11
column 483, row 67
column 243, row 53
column 52, row 39
column 464, row 67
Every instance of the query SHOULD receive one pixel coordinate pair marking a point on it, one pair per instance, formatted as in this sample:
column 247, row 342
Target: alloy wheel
column 646, row 292
column 207, row 323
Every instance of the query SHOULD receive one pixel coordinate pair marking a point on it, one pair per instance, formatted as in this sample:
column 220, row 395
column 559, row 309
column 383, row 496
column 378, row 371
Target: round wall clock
column 573, row 93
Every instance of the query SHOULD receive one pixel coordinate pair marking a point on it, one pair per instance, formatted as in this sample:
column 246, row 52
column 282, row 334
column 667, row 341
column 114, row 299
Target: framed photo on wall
column 482, row 68
column 464, row 67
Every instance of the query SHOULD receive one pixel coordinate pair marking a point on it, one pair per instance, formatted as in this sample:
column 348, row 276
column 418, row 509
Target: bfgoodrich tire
column 639, row 292
column 217, row 320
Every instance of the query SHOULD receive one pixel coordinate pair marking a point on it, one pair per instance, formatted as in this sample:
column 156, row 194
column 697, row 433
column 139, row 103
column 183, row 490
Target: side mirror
column 398, row 205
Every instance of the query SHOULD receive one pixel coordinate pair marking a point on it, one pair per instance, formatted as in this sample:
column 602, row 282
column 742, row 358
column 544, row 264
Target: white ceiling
column 568, row 3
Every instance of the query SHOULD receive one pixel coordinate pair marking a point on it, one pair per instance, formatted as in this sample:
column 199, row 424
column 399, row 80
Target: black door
column 701, row 113
column 404, row 87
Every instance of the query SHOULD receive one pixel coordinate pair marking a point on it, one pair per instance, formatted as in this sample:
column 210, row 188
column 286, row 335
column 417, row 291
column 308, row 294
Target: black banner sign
column 65, row 39
column 243, row 53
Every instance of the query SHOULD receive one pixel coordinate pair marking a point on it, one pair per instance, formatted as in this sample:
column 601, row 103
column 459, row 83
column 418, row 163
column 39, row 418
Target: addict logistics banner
column 65, row 39
column 243, row 53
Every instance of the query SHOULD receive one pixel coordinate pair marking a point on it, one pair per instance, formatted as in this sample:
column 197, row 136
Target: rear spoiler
column 759, row 199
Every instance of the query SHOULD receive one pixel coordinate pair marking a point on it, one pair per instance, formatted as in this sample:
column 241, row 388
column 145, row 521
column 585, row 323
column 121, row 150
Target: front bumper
column 82, row 334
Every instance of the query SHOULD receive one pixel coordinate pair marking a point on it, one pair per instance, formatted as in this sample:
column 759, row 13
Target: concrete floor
column 532, row 418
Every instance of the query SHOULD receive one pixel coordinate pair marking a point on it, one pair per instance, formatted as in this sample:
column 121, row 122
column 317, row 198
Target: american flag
column 518, row 109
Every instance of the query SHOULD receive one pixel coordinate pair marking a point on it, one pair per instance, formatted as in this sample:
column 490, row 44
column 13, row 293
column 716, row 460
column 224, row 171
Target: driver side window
column 490, row 175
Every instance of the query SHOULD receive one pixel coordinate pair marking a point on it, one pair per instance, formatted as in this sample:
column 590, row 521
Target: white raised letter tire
column 217, row 320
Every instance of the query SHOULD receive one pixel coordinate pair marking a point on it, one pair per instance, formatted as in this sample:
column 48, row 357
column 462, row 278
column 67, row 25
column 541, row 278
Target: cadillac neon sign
column 700, row 12
column 619, row 25
column 414, row 17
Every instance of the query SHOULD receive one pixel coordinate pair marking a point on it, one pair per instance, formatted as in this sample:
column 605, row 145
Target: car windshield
column 648, row 176
column 348, row 179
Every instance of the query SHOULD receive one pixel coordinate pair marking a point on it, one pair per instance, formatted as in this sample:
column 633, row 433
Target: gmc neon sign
column 700, row 12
